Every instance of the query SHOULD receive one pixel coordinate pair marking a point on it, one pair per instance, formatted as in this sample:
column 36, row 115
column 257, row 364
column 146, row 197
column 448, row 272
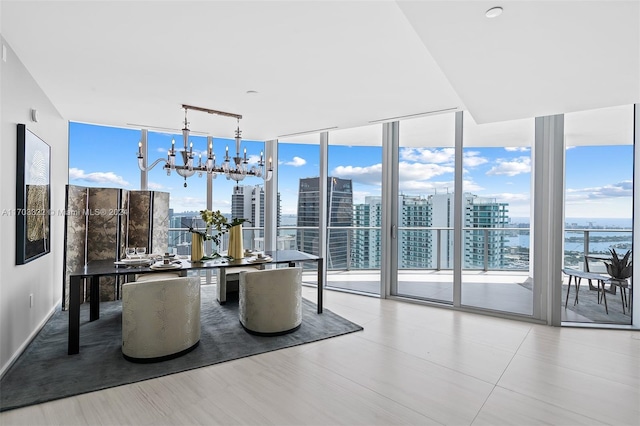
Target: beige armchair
column 271, row 301
column 160, row 318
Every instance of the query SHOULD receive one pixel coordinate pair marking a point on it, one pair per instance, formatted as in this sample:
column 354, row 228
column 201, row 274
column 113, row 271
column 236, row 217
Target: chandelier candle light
column 237, row 170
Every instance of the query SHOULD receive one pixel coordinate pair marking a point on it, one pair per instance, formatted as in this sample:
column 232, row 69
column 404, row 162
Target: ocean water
column 599, row 242
column 586, row 222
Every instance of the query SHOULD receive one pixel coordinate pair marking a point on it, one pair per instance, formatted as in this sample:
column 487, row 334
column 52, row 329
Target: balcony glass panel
column 298, row 189
column 354, row 209
column 425, row 202
column 496, row 217
column 598, row 208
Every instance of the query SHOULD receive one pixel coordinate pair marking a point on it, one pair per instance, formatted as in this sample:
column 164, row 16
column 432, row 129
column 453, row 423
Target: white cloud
column 370, row 175
column 155, row 186
column 517, row 148
column 426, row 155
column 422, row 172
column 511, row 168
column 253, row 159
column 359, row 196
column 510, row 197
column 615, row 190
column 473, row 159
column 181, row 204
column 444, row 156
column 295, row 162
column 471, row 186
column 97, row 177
column 413, row 187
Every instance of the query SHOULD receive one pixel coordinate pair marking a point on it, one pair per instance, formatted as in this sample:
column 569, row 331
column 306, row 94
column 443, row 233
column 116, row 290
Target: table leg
column 604, row 296
column 94, row 298
column 75, row 283
column 222, row 286
column 320, row 283
column 577, row 282
column 566, row 301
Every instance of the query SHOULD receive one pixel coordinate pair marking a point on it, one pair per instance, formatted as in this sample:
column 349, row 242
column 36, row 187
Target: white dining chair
column 270, row 301
column 160, row 318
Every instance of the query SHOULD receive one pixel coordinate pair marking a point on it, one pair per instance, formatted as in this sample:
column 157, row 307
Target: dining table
column 93, row 270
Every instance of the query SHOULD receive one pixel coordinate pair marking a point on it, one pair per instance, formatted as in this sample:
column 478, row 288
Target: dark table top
column 108, row 267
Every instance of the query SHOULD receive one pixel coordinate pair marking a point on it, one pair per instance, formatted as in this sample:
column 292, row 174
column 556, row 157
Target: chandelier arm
column 155, row 163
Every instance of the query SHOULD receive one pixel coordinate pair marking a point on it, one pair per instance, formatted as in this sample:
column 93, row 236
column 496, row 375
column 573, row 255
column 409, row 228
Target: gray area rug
column 45, row 372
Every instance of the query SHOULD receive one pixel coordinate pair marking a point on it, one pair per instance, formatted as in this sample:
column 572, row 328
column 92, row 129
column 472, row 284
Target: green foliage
column 217, row 225
column 619, row 267
column 216, row 221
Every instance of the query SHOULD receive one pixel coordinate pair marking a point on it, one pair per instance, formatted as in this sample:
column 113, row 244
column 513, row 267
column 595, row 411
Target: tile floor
column 412, row 364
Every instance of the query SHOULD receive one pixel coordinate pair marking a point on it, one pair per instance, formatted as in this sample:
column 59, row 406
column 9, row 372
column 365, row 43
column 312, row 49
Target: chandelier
column 235, row 168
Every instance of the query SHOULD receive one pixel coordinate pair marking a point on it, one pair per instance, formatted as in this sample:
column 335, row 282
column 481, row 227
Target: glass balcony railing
column 579, row 242
column 359, row 248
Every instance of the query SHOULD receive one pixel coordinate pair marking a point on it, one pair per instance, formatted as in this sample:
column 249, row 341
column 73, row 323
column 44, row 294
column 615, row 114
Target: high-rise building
column 441, row 218
column 432, row 248
column 247, row 202
column 416, row 245
column 365, row 243
column 484, row 213
column 180, row 237
column 339, row 214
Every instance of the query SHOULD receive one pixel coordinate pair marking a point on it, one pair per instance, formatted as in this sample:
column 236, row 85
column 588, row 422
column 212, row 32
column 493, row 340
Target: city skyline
column 106, row 156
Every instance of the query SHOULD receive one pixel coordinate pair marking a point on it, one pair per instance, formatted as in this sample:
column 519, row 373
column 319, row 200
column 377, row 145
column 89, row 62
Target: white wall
column 41, row 277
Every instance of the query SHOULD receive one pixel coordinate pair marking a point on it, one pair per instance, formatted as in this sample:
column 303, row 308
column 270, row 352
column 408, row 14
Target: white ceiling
column 323, row 64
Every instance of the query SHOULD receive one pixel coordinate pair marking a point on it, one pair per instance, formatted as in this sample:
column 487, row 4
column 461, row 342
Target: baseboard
column 27, row 342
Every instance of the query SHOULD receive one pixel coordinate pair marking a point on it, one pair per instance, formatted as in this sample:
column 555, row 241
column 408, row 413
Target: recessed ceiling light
column 252, row 92
column 493, row 12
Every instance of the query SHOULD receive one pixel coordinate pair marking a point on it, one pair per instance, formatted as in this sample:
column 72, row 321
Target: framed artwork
column 33, row 197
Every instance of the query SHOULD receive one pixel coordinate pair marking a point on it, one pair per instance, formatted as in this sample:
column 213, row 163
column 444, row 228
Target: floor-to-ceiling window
column 496, row 206
column 354, row 209
column 426, row 173
column 96, row 159
column 496, row 215
column 299, row 197
column 598, row 209
column 102, row 156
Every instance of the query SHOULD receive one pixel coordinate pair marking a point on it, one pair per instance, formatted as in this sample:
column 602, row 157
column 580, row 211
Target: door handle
column 393, row 231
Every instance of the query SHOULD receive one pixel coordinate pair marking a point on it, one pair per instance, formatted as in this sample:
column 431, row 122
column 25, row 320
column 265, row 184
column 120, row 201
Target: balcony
column 495, row 274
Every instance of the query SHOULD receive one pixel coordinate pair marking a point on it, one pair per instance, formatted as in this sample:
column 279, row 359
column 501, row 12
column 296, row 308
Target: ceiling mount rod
column 212, row 111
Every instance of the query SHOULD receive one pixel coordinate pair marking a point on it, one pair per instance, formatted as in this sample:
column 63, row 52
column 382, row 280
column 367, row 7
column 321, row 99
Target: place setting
column 166, row 262
column 257, row 257
column 135, row 256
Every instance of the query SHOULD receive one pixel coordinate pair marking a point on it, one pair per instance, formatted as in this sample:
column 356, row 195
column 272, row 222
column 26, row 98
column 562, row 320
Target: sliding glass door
column 598, row 210
column 425, row 208
column 354, row 209
column 496, row 214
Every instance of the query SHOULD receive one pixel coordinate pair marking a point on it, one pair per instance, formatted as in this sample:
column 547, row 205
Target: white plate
column 259, row 259
column 135, row 261
column 166, row 266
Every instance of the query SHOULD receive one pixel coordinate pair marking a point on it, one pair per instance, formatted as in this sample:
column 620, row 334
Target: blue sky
column 106, row 156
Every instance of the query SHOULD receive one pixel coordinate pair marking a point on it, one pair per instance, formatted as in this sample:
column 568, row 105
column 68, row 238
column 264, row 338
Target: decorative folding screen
column 101, row 222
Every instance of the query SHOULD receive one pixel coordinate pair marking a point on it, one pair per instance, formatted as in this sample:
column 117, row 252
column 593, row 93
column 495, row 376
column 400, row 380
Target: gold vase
column 235, row 242
column 197, row 247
